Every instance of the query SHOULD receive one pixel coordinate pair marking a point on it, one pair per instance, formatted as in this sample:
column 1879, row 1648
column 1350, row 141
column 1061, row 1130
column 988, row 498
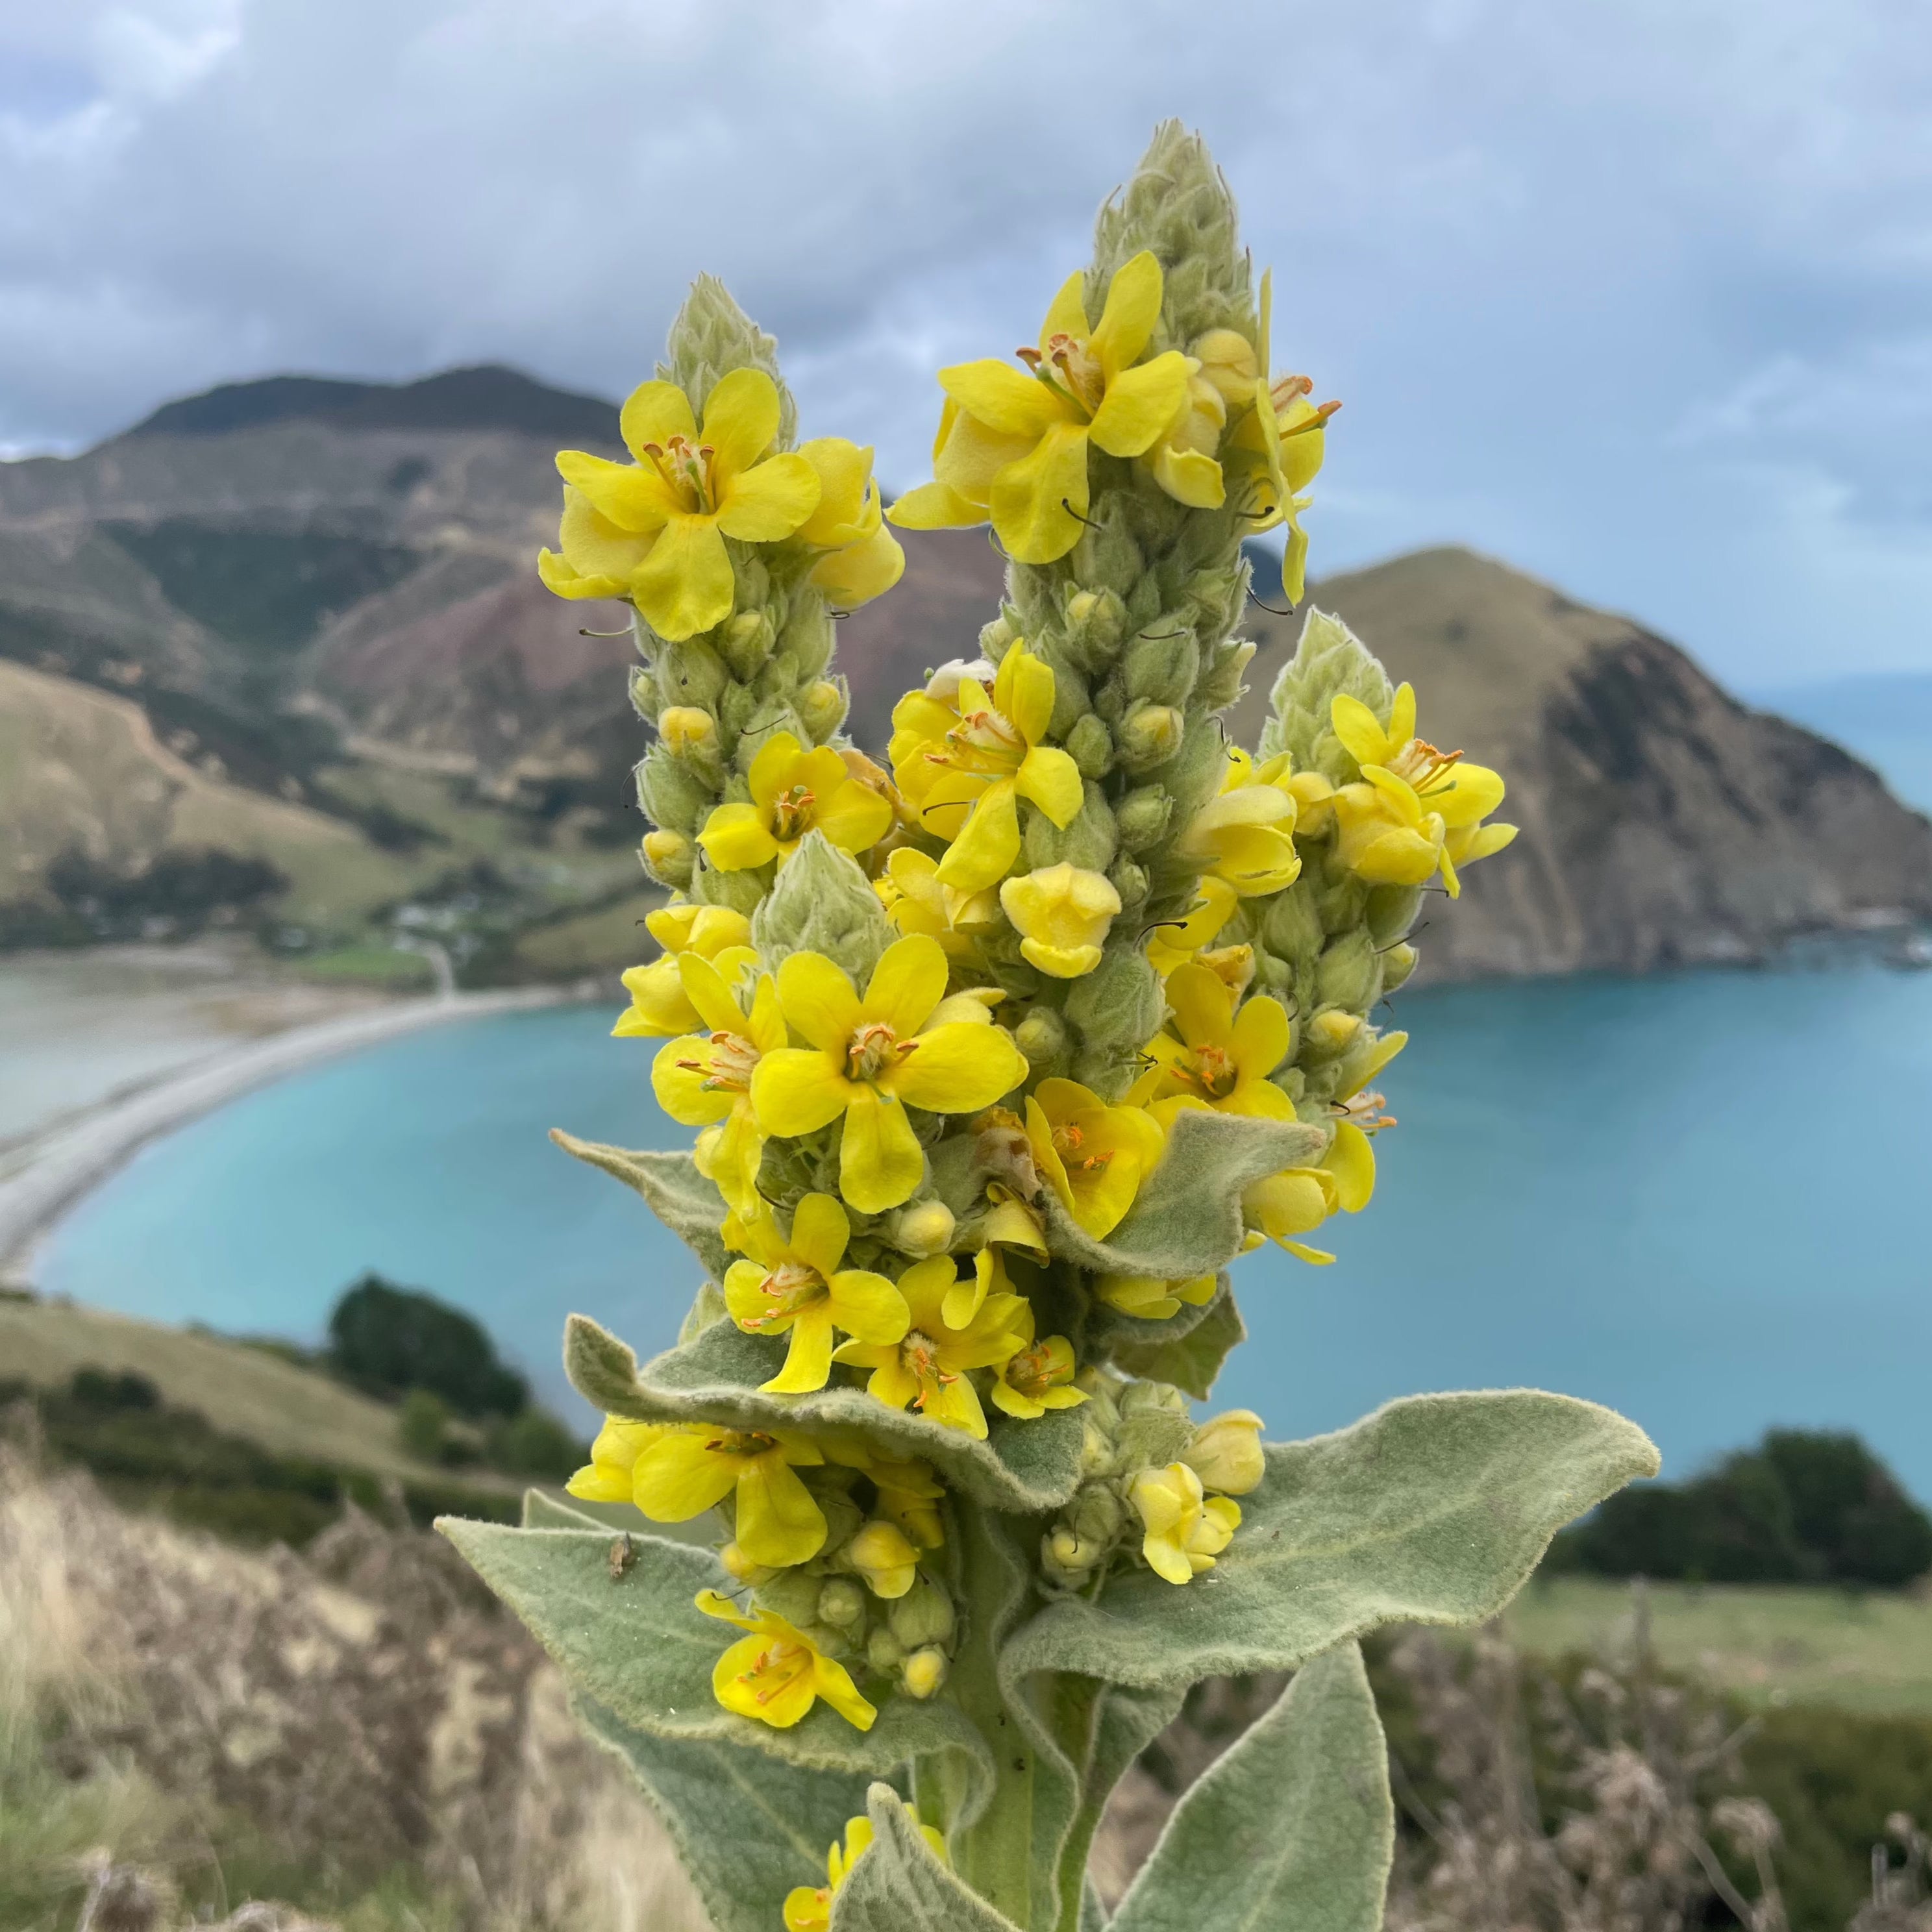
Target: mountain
column 1885, row 717
column 315, row 597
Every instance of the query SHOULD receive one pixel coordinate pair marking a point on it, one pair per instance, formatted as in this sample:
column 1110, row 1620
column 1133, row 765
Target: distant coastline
column 50, row 1174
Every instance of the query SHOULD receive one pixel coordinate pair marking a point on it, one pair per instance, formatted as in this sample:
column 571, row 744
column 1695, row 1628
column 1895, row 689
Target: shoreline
column 48, row 1175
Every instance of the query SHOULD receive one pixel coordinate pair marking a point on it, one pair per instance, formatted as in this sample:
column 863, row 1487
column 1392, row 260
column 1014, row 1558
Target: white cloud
column 1559, row 261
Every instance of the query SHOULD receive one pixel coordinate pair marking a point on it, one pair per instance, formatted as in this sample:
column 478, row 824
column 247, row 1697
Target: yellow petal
column 654, row 412
column 798, row 1090
column 1189, row 476
column 779, row 1523
column 594, row 546
column 769, row 500
column 1128, row 316
column 1139, row 404
column 676, row 1477
column 879, row 1161
column 853, row 816
column 1360, row 730
column 869, row 1306
column 1260, row 1036
column 907, row 984
column 833, row 1682
column 685, row 585
column 1351, row 1159
column 935, row 506
column 1050, row 779
column 1068, row 314
column 983, row 852
column 558, row 577
column 741, row 418
column 678, row 1077
column 957, row 1069
column 1060, row 962
column 736, row 837
column 819, row 1233
column 632, row 498
column 1037, row 502
column 864, row 570
column 807, row 1362
column 1003, row 398
column 844, row 471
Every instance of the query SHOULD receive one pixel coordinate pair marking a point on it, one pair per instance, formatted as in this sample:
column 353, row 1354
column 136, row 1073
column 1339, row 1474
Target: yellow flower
column 1186, row 1531
column 794, row 791
column 654, row 531
column 883, row 1554
column 1226, row 1453
column 808, row 1908
column 1396, row 825
column 607, row 1477
column 1038, row 1377
column 1153, row 1300
column 1094, row 1156
column 1008, row 1222
column 916, row 899
column 1062, row 913
column 864, row 559
column 658, row 1002
column 1244, row 835
column 705, row 1079
column 1216, row 1056
column 693, row 1466
column 1183, row 461
column 1350, row 1161
column 1013, row 447
column 1176, row 941
column 1295, row 1201
column 928, row 1370
column 870, row 1059
column 1277, row 448
column 909, row 1494
column 966, row 764
column 778, row 1673
column 797, row 1285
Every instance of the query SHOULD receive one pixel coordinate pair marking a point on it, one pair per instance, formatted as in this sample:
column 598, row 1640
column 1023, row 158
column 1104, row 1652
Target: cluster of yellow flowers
column 1065, row 918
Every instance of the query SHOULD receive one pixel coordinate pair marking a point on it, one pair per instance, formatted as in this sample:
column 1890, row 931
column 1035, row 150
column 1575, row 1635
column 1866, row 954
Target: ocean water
column 1701, row 1199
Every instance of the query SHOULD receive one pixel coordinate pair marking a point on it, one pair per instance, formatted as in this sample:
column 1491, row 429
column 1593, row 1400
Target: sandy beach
column 43, row 1174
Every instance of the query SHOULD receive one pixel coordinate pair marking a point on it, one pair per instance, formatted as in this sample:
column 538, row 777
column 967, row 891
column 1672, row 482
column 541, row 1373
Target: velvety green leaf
column 541, row 1511
column 676, row 1192
column 628, row 1635
column 707, row 1309
column 1186, row 1220
column 1433, row 1510
column 746, row 1830
column 1292, row 1829
column 1191, row 1357
column 898, row 1886
column 1024, row 1466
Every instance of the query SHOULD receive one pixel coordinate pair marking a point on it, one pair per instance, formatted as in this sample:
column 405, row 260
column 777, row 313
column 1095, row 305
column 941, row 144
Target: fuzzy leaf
column 1024, row 1466
column 631, row 1639
column 541, row 1511
column 1191, row 1359
column 746, row 1830
column 1187, row 1219
column 1292, row 1827
column 706, row 1310
column 898, row 1886
column 1433, row 1510
column 674, row 1189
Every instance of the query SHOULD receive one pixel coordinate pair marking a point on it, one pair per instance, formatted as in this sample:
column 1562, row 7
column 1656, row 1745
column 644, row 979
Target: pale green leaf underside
column 899, row 1886
column 674, row 1189
column 636, row 1644
column 1190, row 1358
column 1026, row 1467
column 1433, row 1510
column 747, row 1830
column 1290, row 1830
column 546, row 1512
column 1187, row 1219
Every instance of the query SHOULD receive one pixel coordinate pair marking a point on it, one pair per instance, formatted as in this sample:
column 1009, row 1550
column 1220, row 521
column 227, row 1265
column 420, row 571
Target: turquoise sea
column 1702, row 1199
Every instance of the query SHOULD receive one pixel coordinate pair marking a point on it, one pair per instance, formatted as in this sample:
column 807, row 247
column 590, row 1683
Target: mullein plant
column 1000, row 1052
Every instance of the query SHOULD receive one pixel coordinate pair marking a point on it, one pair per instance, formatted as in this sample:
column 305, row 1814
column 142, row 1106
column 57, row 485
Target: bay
column 1701, row 1199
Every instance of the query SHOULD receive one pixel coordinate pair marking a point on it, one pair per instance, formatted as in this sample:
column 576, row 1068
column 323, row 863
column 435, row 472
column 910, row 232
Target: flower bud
column 746, row 642
column 944, row 683
column 1097, row 1513
column 922, row 1228
column 1069, row 1559
column 1333, row 1031
column 669, row 855
column 643, row 694
column 1226, row 1453
column 888, row 1563
column 1062, row 913
column 741, row 1567
column 793, row 1595
column 1043, row 1038
column 822, row 902
column 924, row 1615
column 924, row 1672
column 1228, row 361
column 883, row 1652
column 685, row 728
column 1398, row 963
column 1142, row 816
column 841, row 1602
column 1150, row 734
column 1091, row 745
column 821, row 707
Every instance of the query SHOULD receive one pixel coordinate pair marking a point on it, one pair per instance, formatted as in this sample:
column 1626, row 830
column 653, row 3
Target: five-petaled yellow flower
column 1185, row 1529
column 693, row 1466
column 964, row 766
column 904, row 1044
column 1351, row 1158
column 794, row 791
column 807, row 1908
column 928, row 1369
column 654, row 530
column 658, row 1002
column 778, row 1673
column 916, row 899
column 1416, row 810
column 1037, row 1377
column 1094, row 1156
column 1013, row 447
column 796, row 1285
column 1216, row 1056
column 704, row 1079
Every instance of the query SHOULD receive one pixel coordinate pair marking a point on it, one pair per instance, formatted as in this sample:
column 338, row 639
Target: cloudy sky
column 1637, row 294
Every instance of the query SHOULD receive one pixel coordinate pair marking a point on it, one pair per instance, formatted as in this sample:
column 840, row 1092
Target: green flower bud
column 842, row 1601
column 1398, row 963
column 1129, row 879
column 1161, row 669
column 1291, row 927
column 711, row 337
column 1143, row 816
column 1391, row 912
column 746, row 642
column 1087, row 840
column 1329, row 660
column 669, row 857
column 922, row 1228
column 1097, row 1513
column 1331, row 1033
column 676, row 795
column 1119, row 1004
column 1091, row 745
column 924, row 1615
column 1043, row 1036
column 1220, row 685
column 821, row 708
column 997, row 638
column 1348, row 973
column 1150, row 734
column 792, row 1595
column 643, row 694
column 1068, row 1558
column 884, row 1652
column 822, row 902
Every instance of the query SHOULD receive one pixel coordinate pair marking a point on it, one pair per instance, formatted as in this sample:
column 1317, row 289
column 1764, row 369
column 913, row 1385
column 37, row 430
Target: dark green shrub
column 423, row 1424
column 388, row 1340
